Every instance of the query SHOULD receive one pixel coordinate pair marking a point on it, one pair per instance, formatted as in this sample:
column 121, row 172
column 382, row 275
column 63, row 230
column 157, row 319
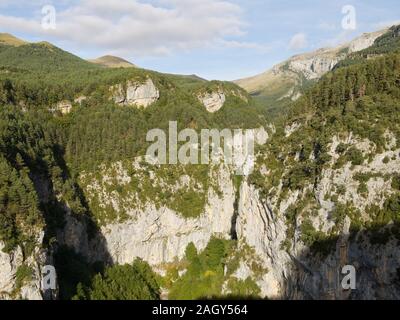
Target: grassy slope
column 10, row 40
column 112, row 62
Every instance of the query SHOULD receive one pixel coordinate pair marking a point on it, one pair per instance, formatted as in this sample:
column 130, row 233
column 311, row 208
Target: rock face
column 295, row 272
column 18, row 284
column 142, row 95
column 157, row 234
column 297, row 275
column 258, row 226
column 213, row 101
column 364, row 41
column 136, row 94
column 315, row 67
column 160, row 235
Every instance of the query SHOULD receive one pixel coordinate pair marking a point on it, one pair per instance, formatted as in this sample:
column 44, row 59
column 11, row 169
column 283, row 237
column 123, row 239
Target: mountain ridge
column 9, row 39
column 287, row 79
column 110, row 61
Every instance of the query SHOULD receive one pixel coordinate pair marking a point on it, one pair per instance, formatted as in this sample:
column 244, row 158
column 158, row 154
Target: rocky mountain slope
column 289, row 78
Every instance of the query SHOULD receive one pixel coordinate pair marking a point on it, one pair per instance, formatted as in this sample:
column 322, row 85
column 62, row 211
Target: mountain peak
column 112, row 62
column 10, row 40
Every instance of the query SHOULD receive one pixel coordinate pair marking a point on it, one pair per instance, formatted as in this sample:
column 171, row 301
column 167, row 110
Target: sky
column 214, row 39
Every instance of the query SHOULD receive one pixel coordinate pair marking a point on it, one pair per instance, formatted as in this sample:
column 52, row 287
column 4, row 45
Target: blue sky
column 215, row 39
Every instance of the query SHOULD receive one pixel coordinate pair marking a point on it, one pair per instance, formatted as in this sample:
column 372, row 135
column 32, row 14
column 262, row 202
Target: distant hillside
column 41, row 56
column 10, row 40
column 112, row 62
column 289, row 79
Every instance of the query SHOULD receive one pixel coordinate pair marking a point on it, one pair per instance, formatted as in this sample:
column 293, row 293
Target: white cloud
column 137, row 28
column 298, row 41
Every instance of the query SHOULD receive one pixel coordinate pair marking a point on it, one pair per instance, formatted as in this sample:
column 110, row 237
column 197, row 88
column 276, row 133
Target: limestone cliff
column 152, row 231
column 135, row 93
column 214, row 98
column 21, row 277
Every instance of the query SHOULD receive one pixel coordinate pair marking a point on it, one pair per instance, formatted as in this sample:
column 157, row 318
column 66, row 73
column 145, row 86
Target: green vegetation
column 318, row 241
column 22, row 276
column 30, row 163
column 206, row 272
column 80, row 280
column 243, row 288
column 72, row 270
column 183, row 189
column 122, row 282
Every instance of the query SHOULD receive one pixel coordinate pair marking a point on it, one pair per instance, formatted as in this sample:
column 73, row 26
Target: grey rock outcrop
column 213, row 101
column 64, row 107
column 17, row 284
column 135, row 94
column 315, row 67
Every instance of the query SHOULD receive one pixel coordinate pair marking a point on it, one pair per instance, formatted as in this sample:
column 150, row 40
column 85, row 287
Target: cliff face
column 213, row 101
column 155, row 232
column 297, row 274
column 214, row 98
column 135, row 93
column 20, row 277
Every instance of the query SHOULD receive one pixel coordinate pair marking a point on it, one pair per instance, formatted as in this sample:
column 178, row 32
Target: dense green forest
column 122, row 282
column 33, row 175
column 98, row 131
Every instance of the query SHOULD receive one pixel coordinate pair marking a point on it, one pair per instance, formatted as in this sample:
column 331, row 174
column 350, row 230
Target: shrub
column 126, row 282
column 355, row 156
